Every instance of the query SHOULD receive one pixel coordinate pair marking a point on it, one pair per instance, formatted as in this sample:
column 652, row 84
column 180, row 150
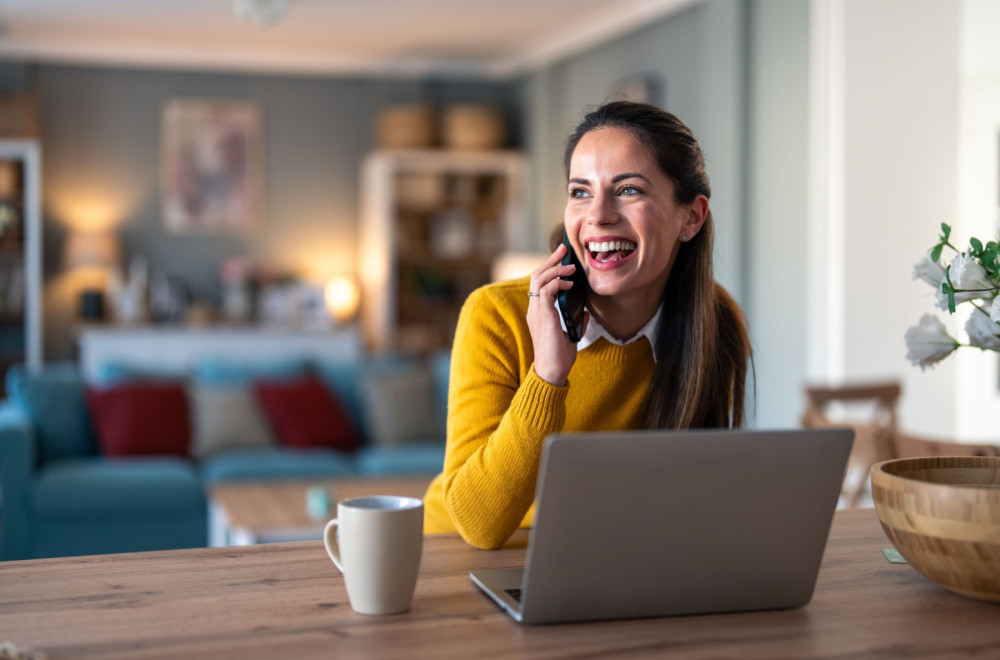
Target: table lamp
column 91, row 250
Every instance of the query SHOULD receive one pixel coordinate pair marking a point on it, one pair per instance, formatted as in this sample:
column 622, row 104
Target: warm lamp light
column 8, row 179
column 512, row 265
column 342, row 298
column 92, row 250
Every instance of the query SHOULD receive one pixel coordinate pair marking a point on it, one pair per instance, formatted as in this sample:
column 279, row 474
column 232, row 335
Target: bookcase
column 433, row 222
column 20, row 254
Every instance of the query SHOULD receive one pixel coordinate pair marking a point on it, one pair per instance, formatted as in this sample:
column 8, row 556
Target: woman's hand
column 554, row 352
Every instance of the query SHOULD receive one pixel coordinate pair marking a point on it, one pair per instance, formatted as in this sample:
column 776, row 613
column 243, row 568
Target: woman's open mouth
column 610, row 251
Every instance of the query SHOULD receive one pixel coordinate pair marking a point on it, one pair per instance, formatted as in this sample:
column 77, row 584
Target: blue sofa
column 61, row 497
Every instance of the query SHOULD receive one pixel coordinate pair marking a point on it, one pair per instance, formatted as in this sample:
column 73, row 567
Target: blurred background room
column 309, row 170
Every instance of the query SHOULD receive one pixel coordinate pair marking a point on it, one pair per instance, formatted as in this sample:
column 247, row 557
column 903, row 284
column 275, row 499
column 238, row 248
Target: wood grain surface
column 288, row 601
column 943, row 515
column 267, row 505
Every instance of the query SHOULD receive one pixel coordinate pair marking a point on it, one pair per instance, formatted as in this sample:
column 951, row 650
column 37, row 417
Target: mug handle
column 330, row 541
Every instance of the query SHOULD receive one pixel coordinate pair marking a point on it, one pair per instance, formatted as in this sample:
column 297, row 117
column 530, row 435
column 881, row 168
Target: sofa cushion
column 241, row 372
column 303, row 413
column 141, row 419
column 275, row 463
column 401, row 406
column 114, row 372
column 54, row 401
column 120, row 487
column 343, row 378
column 415, row 458
column 226, row 417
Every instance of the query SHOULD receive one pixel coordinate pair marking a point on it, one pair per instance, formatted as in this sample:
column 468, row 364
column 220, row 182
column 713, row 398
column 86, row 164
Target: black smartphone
column 571, row 302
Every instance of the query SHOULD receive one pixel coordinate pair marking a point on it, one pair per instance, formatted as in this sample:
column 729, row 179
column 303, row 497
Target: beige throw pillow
column 399, row 407
column 227, row 417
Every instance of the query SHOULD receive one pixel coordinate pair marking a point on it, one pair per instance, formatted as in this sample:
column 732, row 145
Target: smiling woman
column 664, row 346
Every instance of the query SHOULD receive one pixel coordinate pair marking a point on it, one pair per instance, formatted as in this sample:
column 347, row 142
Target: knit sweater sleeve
column 499, row 412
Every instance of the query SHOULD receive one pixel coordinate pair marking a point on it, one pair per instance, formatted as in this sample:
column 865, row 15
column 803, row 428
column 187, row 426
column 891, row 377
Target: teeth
column 606, row 246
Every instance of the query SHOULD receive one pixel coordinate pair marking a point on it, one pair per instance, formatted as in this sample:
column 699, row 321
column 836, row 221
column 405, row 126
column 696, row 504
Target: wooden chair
column 876, row 436
column 874, row 431
column 906, row 445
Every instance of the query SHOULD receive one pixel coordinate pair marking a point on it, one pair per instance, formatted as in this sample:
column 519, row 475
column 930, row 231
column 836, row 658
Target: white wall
column 896, row 108
column 977, row 391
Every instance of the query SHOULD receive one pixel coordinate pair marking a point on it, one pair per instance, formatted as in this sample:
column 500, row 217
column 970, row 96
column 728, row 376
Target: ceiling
column 495, row 38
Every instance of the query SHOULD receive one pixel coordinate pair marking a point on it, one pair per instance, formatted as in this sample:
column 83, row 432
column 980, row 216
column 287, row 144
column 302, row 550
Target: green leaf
column 990, row 258
column 945, row 231
column 936, row 252
column 977, row 246
column 949, row 288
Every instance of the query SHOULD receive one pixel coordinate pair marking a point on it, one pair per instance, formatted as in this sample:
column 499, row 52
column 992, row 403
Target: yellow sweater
column 499, row 412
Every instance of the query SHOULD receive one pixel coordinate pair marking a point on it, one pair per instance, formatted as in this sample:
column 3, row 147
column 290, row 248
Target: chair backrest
column 884, row 397
column 909, row 445
column 874, row 429
column 877, row 437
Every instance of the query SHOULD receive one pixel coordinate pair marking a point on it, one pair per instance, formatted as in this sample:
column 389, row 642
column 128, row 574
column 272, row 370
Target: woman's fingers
column 554, row 353
column 547, row 278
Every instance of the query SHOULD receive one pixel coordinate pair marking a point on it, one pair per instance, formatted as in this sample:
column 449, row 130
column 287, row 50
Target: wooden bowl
column 943, row 515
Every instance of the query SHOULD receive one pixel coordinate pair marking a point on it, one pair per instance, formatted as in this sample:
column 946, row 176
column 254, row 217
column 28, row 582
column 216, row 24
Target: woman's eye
column 629, row 190
column 578, row 193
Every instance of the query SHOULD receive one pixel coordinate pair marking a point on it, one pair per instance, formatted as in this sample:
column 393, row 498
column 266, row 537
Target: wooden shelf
column 436, row 221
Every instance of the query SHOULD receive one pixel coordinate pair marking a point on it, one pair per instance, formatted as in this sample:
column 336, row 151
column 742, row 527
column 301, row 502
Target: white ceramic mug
column 376, row 542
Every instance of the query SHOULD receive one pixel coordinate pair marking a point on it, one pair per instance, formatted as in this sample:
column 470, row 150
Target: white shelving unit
column 177, row 349
column 433, row 222
column 25, row 256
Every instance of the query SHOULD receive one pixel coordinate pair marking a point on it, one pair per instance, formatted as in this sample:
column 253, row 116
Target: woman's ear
column 694, row 218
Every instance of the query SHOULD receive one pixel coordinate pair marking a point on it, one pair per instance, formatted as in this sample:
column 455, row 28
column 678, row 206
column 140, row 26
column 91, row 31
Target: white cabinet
column 433, row 222
column 178, row 349
column 20, row 254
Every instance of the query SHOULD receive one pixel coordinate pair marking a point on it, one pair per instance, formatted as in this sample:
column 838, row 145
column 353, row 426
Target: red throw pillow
column 141, row 419
column 303, row 413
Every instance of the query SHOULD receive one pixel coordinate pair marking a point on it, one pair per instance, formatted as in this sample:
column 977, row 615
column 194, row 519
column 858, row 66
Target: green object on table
column 318, row 503
column 893, row 556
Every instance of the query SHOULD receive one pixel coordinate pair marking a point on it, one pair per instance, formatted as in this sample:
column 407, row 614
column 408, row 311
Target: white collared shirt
column 595, row 331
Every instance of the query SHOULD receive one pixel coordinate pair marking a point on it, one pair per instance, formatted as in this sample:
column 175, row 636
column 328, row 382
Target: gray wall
column 778, row 204
column 696, row 57
column 100, row 132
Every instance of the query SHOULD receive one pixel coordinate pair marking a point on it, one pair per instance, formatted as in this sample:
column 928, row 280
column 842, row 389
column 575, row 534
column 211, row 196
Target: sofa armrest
column 17, row 459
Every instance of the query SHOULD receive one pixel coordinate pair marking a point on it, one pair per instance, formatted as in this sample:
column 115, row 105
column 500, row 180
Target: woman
column 664, row 346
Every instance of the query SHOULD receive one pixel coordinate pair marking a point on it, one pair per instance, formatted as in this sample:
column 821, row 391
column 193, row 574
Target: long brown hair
column 702, row 349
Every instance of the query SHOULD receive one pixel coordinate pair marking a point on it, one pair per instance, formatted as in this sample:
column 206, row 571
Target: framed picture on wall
column 210, row 165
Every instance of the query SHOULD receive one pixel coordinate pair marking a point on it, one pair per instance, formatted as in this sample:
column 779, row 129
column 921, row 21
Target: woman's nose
column 602, row 210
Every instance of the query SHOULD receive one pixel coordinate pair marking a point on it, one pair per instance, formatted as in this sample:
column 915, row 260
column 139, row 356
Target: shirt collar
column 595, row 331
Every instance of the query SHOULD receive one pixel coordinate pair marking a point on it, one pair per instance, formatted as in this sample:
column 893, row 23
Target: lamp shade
column 91, row 249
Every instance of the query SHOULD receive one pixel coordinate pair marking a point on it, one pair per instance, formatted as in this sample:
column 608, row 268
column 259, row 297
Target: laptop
column 660, row 523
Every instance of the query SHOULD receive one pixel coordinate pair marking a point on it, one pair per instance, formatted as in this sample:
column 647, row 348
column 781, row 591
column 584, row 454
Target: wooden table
column 247, row 513
column 288, row 601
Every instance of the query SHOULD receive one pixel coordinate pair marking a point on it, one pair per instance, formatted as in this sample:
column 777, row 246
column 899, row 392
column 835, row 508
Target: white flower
column 967, row 273
column 995, row 310
column 983, row 331
column 929, row 271
column 928, row 342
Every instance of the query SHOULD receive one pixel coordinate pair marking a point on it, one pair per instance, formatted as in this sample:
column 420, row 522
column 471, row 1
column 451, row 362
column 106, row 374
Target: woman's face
column 622, row 217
